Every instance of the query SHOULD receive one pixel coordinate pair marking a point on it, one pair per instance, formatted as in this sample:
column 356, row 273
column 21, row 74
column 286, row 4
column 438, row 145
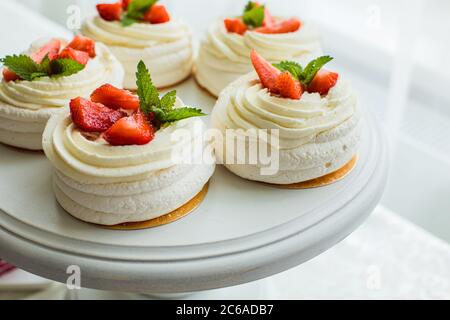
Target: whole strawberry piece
column 132, row 130
column 288, row 87
column 51, row 49
column 79, row 56
column 235, row 26
column 115, row 98
column 267, row 73
column 8, row 75
column 323, row 81
column 93, row 117
column 85, row 44
column 110, row 11
column 285, row 26
column 157, row 14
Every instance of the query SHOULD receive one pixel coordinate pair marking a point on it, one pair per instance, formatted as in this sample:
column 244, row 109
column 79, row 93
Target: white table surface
column 387, row 257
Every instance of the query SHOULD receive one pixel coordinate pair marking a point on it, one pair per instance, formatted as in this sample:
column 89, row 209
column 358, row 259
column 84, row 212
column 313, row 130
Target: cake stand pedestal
column 242, row 232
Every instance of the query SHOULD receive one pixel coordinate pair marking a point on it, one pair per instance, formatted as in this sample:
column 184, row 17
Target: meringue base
column 73, row 209
column 23, row 140
column 173, row 216
column 326, row 180
column 203, row 88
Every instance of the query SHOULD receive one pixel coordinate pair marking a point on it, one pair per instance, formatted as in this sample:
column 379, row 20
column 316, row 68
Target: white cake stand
column 242, row 232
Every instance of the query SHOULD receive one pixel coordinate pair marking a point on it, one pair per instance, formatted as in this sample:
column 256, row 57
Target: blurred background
column 397, row 54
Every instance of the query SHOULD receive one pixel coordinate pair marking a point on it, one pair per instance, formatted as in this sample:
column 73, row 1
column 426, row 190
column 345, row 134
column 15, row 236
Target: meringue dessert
column 37, row 84
column 223, row 55
column 144, row 30
column 116, row 160
column 314, row 112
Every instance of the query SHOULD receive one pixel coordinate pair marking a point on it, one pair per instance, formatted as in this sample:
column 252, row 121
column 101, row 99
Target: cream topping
column 54, row 92
column 245, row 104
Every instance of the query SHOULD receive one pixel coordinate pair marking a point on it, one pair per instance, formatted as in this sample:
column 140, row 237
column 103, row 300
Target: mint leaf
column 162, row 110
column 251, row 5
column 147, row 92
column 312, row 68
column 45, row 66
column 181, row 114
column 127, row 21
column 169, row 99
column 23, row 66
column 64, row 67
column 136, row 11
column 253, row 14
column 29, row 70
column 294, row 68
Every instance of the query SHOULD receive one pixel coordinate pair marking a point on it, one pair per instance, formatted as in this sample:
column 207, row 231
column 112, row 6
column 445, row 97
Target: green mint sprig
column 254, row 14
column 27, row 69
column 307, row 74
column 136, row 11
column 161, row 111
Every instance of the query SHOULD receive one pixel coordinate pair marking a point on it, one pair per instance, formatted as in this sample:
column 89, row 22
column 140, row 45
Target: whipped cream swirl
column 165, row 48
column 317, row 135
column 224, row 56
column 25, row 106
column 105, row 184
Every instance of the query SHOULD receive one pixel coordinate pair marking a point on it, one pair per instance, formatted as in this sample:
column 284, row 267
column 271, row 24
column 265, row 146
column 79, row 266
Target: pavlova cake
column 118, row 157
column 314, row 112
column 223, row 55
column 137, row 30
column 38, row 83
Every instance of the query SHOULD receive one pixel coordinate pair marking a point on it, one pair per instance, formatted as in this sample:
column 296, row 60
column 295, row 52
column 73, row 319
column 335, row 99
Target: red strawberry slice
column 85, row 44
column 125, row 4
column 269, row 20
column 93, row 117
column 132, row 130
column 8, row 75
column 110, row 11
column 267, row 73
column 288, row 87
column 51, row 49
column 115, row 98
column 323, row 82
column 285, row 26
column 235, row 26
column 157, row 14
column 79, row 56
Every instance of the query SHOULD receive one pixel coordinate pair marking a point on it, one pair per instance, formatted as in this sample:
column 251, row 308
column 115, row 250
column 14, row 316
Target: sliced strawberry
column 125, row 4
column 157, row 14
column 285, row 26
column 269, row 20
column 8, row 75
column 79, row 56
column 110, row 11
column 323, row 82
column 51, row 49
column 85, row 44
column 93, row 117
column 115, row 98
column 267, row 73
column 132, row 130
column 235, row 26
column 288, row 87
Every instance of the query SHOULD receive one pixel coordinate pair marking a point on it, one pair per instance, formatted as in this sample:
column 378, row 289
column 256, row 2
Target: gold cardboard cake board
column 168, row 218
column 322, row 181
